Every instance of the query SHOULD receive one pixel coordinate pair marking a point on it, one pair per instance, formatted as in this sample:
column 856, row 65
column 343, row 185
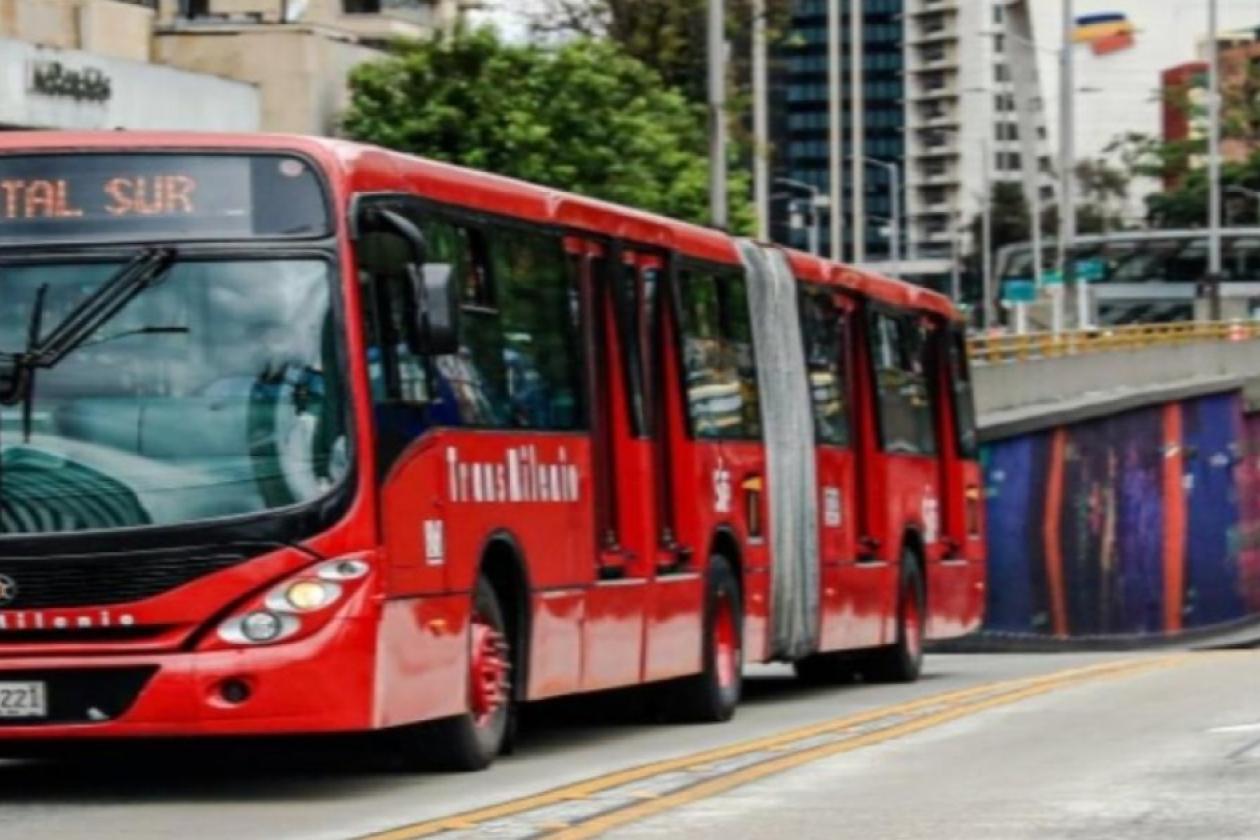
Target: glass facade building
column 802, row 119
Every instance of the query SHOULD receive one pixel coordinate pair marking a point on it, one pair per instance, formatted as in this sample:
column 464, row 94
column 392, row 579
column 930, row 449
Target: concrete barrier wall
column 1039, row 384
column 1142, row 524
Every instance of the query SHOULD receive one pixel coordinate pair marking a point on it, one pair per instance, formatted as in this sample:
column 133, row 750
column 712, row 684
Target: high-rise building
column 804, row 127
column 938, row 101
column 963, row 132
column 964, row 94
column 1120, row 50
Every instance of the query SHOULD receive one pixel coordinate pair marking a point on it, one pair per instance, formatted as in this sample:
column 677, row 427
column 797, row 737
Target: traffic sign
column 1090, row 271
column 1019, row 290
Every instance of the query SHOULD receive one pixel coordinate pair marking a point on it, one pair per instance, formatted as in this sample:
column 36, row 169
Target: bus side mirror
column 434, row 304
column 434, row 291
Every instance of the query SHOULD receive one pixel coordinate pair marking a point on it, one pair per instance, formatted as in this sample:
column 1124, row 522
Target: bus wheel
column 903, row 661
column 712, row 695
column 471, row 741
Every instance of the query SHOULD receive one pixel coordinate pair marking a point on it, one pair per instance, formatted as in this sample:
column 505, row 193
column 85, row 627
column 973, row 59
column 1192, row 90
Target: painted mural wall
column 1146, row 522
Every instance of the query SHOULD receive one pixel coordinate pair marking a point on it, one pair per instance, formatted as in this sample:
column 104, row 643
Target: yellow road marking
column 1008, row 691
column 634, row 813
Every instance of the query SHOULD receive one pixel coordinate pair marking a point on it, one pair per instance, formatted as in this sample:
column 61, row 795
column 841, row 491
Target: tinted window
column 718, row 356
column 629, row 315
column 538, row 325
column 823, row 325
column 519, row 358
column 899, row 352
column 964, row 397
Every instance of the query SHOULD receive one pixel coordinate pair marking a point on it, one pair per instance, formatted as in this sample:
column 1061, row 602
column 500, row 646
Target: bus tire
column 902, row 661
column 713, row 695
column 471, row 741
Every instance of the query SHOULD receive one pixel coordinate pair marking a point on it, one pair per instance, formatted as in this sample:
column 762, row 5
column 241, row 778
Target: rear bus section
column 443, row 443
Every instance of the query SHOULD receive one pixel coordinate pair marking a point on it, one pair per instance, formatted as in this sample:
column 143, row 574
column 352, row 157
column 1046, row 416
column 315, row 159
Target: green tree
column 1187, row 206
column 1104, row 193
column 1099, row 187
column 668, row 35
column 1009, row 217
column 581, row 116
column 1174, row 160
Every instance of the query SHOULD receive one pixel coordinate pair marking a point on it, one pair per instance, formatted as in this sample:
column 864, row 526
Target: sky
column 507, row 15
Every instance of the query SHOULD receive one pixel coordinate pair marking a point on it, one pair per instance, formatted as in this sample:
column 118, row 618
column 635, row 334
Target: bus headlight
column 304, row 596
column 262, row 626
column 259, row 627
column 297, row 606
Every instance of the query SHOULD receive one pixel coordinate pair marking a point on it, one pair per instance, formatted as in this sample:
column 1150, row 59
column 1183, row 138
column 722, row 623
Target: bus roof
column 813, row 269
column 365, row 168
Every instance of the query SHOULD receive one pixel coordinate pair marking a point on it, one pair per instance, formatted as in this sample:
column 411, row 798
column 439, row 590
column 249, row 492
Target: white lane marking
column 1240, row 727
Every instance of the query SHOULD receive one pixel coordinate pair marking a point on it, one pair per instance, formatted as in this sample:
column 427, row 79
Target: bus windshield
column 216, row 392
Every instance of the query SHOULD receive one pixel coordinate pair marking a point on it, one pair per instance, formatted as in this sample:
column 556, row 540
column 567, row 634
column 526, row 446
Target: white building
column 950, row 116
column 1119, row 92
column 55, row 88
column 982, row 81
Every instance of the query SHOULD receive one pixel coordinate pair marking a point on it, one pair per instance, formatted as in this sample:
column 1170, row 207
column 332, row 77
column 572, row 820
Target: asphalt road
column 986, row 746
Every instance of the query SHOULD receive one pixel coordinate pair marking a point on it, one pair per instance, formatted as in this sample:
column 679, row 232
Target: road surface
column 985, row 746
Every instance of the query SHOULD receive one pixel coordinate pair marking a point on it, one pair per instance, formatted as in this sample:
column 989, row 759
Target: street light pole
column 718, row 211
column 761, row 121
column 955, row 270
column 986, row 200
column 986, row 206
column 857, row 119
column 1214, row 166
column 1067, row 159
column 894, row 180
column 836, row 136
column 894, row 225
column 815, row 208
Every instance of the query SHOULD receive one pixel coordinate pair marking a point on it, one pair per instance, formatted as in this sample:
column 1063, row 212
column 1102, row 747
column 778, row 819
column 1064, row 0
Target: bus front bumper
column 323, row 683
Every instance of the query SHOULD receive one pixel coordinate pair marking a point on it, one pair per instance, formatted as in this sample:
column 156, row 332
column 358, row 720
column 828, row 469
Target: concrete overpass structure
column 1123, row 481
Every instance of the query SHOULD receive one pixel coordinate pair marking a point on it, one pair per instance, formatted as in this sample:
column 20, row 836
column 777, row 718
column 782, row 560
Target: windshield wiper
column 17, row 370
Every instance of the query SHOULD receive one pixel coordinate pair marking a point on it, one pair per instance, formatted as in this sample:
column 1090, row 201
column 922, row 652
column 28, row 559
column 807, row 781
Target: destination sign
column 113, row 197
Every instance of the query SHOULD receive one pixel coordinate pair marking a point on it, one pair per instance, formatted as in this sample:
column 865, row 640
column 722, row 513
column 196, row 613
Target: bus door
column 826, row 323
column 620, row 296
column 955, row 596
column 903, row 471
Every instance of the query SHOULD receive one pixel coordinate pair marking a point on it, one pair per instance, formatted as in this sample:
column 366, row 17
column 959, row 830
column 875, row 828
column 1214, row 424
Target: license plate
column 23, row 700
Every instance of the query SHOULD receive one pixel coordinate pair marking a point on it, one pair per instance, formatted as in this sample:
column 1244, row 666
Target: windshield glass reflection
column 214, row 393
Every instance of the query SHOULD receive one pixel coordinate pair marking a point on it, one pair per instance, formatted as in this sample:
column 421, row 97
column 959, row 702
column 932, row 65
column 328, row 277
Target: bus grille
column 105, row 580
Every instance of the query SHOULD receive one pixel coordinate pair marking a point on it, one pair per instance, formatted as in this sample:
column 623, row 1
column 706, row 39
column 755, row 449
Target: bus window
column 718, row 357
column 964, row 397
column 538, row 329
column 899, row 351
column 737, row 333
column 823, row 327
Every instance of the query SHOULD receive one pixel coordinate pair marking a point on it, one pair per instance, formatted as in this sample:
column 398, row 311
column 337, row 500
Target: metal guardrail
column 1010, row 348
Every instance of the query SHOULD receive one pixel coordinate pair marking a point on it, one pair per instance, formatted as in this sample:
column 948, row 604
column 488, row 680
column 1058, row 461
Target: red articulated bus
column 304, row 436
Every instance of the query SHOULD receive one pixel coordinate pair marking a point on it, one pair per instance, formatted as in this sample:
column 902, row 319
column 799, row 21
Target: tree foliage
column 1187, row 206
column 1102, row 187
column 668, row 35
column 580, row 116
